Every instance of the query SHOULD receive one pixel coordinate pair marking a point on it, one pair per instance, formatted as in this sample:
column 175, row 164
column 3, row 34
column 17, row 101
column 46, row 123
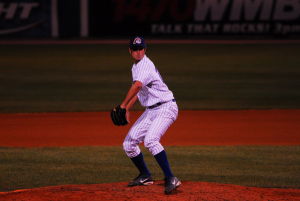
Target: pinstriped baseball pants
column 149, row 128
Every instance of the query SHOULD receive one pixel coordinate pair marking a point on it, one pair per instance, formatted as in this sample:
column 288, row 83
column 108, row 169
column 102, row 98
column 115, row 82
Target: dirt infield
column 119, row 192
column 248, row 127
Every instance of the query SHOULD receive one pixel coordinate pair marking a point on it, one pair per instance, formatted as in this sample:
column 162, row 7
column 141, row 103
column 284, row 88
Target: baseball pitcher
column 161, row 111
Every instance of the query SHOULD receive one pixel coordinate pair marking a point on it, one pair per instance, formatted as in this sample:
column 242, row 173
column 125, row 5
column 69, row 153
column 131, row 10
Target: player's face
column 138, row 54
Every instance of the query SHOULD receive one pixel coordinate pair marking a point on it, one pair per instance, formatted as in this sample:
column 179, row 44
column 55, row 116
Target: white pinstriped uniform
column 153, row 123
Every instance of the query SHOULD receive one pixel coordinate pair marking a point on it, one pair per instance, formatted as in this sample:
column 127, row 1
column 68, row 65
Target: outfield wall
column 69, row 19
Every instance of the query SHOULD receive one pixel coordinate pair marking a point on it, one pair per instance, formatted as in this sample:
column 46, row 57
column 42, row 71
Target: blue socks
column 140, row 164
column 162, row 160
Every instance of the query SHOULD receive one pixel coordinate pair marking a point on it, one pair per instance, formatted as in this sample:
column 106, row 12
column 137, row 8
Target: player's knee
column 127, row 146
column 148, row 144
column 130, row 149
column 153, row 145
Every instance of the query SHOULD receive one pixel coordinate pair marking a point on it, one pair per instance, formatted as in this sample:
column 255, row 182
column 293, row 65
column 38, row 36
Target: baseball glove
column 118, row 116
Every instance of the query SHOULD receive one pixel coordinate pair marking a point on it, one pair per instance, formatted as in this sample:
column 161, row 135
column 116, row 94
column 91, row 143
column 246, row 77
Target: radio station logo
column 16, row 17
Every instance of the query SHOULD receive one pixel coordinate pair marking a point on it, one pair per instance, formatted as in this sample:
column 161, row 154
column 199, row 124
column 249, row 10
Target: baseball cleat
column 141, row 180
column 171, row 184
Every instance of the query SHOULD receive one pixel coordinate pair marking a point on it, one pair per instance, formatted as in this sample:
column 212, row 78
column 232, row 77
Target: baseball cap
column 137, row 43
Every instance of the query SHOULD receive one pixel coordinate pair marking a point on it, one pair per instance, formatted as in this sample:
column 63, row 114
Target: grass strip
column 68, row 78
column 260, row 166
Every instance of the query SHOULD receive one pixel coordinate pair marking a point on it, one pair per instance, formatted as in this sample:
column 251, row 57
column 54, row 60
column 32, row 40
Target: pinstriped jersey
column 154, row 89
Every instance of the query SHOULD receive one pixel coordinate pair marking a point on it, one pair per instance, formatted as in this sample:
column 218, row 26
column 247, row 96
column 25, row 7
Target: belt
column 159, row 103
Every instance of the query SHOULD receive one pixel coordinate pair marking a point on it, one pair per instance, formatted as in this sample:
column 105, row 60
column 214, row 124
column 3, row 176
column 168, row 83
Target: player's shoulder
column 149, row 62
column 145, row 60
column 145, row 63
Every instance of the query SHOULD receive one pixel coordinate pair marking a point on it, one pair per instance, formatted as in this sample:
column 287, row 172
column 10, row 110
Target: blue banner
column 151, row 18
column 25, row 18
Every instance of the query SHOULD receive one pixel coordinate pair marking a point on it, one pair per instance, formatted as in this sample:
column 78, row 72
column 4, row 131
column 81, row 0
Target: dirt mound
column 119, row 191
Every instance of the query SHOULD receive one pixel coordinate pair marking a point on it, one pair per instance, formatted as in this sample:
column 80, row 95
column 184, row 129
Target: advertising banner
column 155, row 18
column 26, row 19
column 195, row 17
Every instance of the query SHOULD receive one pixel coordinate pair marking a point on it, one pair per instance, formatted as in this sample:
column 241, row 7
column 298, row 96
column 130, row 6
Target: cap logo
column 137, row 40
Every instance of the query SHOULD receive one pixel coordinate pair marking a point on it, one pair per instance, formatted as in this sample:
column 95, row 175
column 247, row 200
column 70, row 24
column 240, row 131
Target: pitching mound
column 119, row 191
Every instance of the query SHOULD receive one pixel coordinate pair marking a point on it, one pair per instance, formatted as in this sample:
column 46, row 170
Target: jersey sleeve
column 142, row 73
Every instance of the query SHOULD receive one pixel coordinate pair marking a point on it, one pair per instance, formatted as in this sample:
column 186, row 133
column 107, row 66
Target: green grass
column 261, row 166
column 51, row 78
